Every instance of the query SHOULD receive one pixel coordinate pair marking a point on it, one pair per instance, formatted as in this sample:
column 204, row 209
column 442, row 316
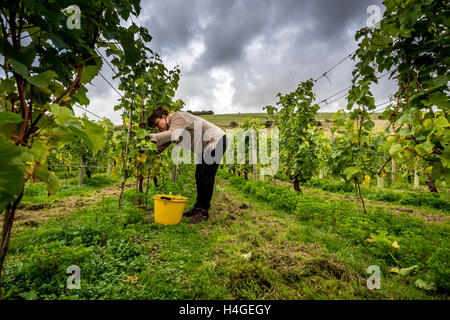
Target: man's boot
column 191, row 212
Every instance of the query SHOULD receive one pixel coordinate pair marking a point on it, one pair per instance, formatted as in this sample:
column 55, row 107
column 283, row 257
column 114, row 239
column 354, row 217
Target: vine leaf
column 12, row 172
column 10, row 117
column 395, row 148
column 43, row 79
column 7, row 85
column 95, row 133
column 89, row 73
column 81, row 96
column 351, row 172
column 425, row 148
column 406, row 271
column 18, row 67
column 425, row 285
column 42, row 173
column 62, row 114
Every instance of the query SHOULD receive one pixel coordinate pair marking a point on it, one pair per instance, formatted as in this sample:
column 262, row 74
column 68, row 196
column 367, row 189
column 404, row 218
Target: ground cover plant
column 360, row 188
column 262, row 242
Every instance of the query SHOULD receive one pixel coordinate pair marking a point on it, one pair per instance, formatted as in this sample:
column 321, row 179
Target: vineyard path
column 36, row 214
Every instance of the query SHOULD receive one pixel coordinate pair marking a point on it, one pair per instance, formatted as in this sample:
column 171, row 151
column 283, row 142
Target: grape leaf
column 7, row 85
column 49, row 178
column 18, row 67
column 406, row 271
column 95, row 133
column 62, row 114
column 12, row 172
column 350, row 172
column 425, row 285
column 10, row 117
column 89, row 73
column 43, row 79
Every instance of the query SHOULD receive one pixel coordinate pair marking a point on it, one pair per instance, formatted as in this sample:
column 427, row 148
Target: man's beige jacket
column 183, row 126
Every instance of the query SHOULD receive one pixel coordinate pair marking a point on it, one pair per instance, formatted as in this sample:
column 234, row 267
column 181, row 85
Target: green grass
column 440, row 203
column 374, row 232
column 342, row 257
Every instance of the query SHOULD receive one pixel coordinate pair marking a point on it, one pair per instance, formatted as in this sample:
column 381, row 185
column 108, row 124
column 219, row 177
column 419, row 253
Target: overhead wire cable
column 329, row 70
column 73, row 166
column 107, row 62
column 339, row 92
column 102, row 118
column 111, row 85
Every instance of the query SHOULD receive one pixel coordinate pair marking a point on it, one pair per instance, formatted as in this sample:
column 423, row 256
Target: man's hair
column 158, row 113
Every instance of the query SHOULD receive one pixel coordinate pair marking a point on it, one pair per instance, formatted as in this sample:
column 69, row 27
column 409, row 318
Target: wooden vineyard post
column 125, row 172
column 108, row 171
column 320, row 174
column 253, row 156
column 380, row 182
column 137, row 188
column 80, row 177
column 332, row 141
column 8, row 220
column 380, row 178
column 146, row 194
column 261, row 176
column 394, row 168
column 394, row 171
column 175, row 174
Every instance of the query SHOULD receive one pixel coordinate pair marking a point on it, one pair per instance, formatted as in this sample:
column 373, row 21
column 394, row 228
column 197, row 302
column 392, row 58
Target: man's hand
column 159, row 146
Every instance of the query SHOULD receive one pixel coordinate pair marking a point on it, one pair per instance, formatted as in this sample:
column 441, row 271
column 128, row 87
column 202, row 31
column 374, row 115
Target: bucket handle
column 172, row 199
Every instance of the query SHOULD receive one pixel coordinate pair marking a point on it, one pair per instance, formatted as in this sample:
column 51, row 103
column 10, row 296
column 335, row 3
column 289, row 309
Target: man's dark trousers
column 205, row 175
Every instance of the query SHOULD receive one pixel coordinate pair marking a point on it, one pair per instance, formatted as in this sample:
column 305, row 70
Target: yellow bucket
column 169, row 209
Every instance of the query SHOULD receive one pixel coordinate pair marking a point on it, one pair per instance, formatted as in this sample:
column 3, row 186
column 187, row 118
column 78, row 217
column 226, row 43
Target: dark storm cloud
column 171, row 23
column 233, row 23
column 231, row 29
column 266, row 46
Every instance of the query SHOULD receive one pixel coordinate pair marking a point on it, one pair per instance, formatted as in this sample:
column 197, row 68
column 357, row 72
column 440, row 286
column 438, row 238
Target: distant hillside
column 234, row 120
column 224, row 120
column 325, row 120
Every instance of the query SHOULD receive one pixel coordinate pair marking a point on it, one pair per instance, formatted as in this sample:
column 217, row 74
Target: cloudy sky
column 236, row 55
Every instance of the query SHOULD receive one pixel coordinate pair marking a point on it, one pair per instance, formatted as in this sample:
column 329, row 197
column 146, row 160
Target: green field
column 224, row 120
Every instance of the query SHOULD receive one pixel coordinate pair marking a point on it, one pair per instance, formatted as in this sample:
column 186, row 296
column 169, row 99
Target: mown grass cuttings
column 270, row 254
column 398, row 239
